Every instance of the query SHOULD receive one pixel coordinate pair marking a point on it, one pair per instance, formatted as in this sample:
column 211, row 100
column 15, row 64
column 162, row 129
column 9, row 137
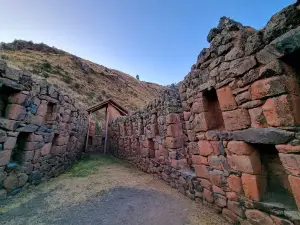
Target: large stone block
column 236, row 208
column 45, row 150
column 201, row 171
column 258, row 217
column 226, row 99
column 263, row 136
column 245, row 163
column 174, row 130
column 174, row 142
column 236, row 119
column 235, row 184
column 18, row 98
column 254, row 186
column 291, row 163
column 240, row 148
column 268, row 87
column 295, row 186
column 10, row 143
column 200, row 122
column 15, row 112
column 279, row 111
column 205, row 148
column 199, row 160
column 4, row 157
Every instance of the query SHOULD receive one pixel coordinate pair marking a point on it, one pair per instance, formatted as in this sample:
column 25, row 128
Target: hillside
column 87, row 82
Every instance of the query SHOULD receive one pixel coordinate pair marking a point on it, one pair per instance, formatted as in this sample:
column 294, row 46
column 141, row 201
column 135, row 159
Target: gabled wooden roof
column 104, row 104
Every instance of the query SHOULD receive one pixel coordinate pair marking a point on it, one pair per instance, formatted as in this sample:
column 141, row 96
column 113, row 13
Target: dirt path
column 104, row 190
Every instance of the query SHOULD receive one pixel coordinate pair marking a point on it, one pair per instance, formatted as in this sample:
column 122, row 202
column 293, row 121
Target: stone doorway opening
column 212, row 107
column 275, row 185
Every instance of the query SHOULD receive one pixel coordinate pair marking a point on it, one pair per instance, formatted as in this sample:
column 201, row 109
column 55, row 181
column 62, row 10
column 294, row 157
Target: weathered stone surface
column 257, row 217
column 11, row 181
column 254, row 186
column 236, row 120
column 28, row 128
column 263, row 135
column 4, row 157
column 8, row 124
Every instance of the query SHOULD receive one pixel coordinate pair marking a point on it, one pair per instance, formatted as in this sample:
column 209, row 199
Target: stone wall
column 230, row 138
column 42, row 131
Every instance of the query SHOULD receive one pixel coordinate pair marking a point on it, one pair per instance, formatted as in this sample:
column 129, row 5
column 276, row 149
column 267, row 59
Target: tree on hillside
column 137, row 77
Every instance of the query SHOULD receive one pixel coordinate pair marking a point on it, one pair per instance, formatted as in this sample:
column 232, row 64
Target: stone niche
column 6, row 99
column 212, row 107
column 19, row 152
column 275, row 184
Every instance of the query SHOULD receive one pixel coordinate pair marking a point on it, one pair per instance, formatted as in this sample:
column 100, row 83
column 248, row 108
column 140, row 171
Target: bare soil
column 106, row 191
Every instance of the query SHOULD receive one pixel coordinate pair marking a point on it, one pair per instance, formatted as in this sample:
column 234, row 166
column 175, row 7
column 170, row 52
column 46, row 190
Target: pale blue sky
column 157, row 39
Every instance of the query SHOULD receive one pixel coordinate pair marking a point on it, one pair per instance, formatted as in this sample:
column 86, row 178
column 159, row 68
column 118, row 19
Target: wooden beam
column 88, row 132
column 106, row 129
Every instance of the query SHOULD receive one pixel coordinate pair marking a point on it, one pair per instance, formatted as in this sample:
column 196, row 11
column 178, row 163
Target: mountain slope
column 87, row 82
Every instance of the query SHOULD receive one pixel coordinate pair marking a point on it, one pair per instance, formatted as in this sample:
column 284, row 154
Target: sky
column 157, row 39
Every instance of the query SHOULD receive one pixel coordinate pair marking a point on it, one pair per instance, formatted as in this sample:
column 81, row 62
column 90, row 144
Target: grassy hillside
column 87, row 82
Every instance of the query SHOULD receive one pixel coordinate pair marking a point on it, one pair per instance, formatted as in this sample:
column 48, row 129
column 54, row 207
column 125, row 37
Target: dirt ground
column 106, row 191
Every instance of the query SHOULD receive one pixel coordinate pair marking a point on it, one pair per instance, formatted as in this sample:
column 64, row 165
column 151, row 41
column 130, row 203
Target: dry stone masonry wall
column 41, row 130
column 229, row 137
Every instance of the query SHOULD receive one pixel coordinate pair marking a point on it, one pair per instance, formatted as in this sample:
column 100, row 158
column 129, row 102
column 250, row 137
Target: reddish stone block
column 4, row 157
column 218, row 162
column 245, row 163
column 17, row 98
column 201, row 171
column 172, row 118
column 236, row 120
column 217, row 178
column 174, row 142
column 267, row 87
column 278, row 111
column 186, row 115
column 295, row 186
column 35, row 137
column 15, row 112
column 235, row 184
column 231, row 217
column 206, row 184
column 280, row 221
column 10, row 143
column 37, row 120
column 258, row 217
column 31, row 146
column 45, row 150
column 218, row 190
column 226, row 99
column 232, row 196
column 58, row 150
column 236, row 208
column 199, row 160
column 174, row 130
column 288, row 148
column 291, row 163
column 199, row 105
column 254, row 186
column 200, row 122
column 61, row 140
column 258, row 119
column 240, row 148
column 208, row 196
column 205, row 148
column 220, row 200
column 179, row 164
column 42, row 110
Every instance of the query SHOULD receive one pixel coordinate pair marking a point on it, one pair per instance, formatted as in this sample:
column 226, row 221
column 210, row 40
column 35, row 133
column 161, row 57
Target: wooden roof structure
column 104, row 104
